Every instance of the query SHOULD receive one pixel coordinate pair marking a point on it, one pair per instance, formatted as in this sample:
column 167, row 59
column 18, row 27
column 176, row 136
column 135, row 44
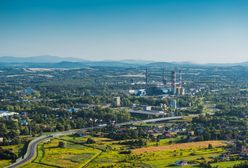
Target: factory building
column 161, row 88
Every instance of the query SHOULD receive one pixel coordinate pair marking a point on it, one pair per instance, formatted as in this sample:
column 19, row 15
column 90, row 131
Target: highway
column 150, row 120
column 31, row 150
column 155, row 113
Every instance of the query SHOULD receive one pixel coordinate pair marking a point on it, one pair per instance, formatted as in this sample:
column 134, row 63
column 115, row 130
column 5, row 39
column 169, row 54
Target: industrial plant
column 161, row 88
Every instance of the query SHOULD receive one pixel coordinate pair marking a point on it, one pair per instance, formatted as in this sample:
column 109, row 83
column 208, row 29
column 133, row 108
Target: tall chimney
column 163, row 77
column 180, row 79
column 173, row 82
column 146, row 75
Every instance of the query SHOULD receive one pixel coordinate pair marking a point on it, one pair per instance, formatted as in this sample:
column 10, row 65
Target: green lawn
column 226, row 164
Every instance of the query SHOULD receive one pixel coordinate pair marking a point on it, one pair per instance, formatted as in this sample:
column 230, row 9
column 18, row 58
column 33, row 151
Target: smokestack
column 180, row 79
column 163, row 77
column 146, row 76
column 173, row 82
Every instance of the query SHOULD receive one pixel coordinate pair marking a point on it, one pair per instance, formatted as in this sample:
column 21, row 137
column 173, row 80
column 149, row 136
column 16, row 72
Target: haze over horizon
column 159, row 30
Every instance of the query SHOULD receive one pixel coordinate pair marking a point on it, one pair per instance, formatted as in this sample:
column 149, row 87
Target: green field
column 105, row 153
column 165, row 141
column 228, row 164
column 193, row 153
column 4, row 163
column 72, row 155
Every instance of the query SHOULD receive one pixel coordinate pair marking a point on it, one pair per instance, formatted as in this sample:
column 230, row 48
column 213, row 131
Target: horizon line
column 121, row 60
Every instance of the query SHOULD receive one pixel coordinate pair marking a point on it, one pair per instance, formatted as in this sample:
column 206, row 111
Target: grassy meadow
column 106, row 153
column 72, row 155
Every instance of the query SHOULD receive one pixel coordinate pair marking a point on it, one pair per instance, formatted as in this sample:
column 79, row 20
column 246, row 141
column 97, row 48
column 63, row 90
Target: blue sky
column 164, row 30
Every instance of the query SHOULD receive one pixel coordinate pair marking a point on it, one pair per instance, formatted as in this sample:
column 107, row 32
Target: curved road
column 31, row 150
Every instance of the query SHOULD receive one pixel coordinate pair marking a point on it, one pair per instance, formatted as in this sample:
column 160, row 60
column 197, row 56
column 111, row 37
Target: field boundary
column 90, row 160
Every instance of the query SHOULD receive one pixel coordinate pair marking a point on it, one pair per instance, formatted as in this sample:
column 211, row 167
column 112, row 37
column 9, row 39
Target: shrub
column 7, row 154
column 125, row 152
column 210, row 146
column 90, row 141
column 61, row 144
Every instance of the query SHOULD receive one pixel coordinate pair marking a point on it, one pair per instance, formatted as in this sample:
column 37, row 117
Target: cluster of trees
column 45, row 119
column 7, row 154
column 230, row 124
column 118, row 133
column 135, row 143
column 9, row 131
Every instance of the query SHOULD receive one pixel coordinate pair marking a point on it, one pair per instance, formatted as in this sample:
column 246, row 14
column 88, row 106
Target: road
column 31, row 150
column 150, row 120
column 155, row 113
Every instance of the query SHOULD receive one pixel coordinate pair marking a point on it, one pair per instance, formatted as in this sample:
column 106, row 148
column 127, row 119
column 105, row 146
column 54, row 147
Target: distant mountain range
column 59, row 62
column 47, row 61
column 37, row 59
